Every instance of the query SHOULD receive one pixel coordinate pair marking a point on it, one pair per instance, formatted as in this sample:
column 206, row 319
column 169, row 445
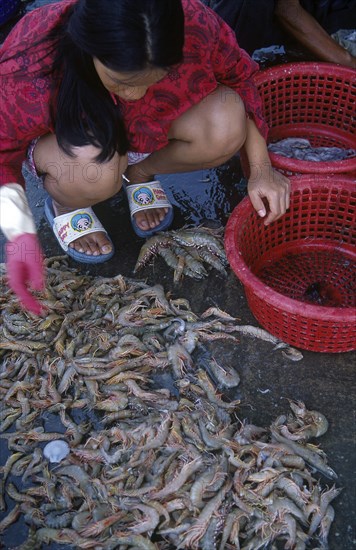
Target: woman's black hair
column 124, row 35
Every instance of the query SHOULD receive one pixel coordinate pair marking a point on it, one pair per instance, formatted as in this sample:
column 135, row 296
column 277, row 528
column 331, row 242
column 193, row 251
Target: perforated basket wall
column 315, row 101
column 8, row 8
column 299, row 273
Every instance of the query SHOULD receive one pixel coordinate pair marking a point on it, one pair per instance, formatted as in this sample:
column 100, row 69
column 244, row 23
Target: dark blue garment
column 252, row 20
column 332, row 14
column 256, row 26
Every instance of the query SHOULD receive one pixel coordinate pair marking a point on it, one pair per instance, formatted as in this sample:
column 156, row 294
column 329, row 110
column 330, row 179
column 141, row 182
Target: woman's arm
column 305, row 28
column 235, row 68
column 264, row 182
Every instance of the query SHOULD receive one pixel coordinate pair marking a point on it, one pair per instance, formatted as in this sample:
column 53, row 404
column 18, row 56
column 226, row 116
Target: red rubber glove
column 24, row 263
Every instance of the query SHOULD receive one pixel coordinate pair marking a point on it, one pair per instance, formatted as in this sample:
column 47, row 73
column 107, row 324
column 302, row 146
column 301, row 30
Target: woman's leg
column 205, row 136
column 79, row 182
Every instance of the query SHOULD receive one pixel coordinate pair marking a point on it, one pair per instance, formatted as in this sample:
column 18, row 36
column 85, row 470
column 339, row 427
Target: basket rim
column 343, row 166
column 313, row 68
column 295, row 165
column 263, row 291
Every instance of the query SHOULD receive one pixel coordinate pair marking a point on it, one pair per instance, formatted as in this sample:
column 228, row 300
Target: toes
column 106, row 249
column 77, row 245
column 149, row 219
column 143, row 223
column 92, row 245
column 93, row 249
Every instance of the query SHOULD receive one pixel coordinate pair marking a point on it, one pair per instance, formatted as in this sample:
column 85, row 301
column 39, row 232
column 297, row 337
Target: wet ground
column 324, row 382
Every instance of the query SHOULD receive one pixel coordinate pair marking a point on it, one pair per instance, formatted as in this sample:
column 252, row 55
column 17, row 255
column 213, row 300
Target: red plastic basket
column 315, row 101
column 299, row 273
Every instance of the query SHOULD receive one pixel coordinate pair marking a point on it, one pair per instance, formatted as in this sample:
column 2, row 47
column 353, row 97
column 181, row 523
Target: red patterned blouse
column 211, row 56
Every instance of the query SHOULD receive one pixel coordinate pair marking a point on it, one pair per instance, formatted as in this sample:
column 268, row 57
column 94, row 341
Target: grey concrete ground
column 324, row 382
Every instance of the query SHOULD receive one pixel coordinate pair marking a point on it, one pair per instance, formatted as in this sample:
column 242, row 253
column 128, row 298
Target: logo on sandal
column 81, row 221
column 143, row 196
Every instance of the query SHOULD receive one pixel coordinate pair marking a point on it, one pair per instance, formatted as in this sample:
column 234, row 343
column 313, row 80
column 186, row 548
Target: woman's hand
column 268, row 189
column 25, row 270
column 269, row 184
column 24, row 258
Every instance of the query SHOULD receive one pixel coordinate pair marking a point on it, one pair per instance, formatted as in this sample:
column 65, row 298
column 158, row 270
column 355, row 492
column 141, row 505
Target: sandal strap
column 145, row 196
column 72, row 225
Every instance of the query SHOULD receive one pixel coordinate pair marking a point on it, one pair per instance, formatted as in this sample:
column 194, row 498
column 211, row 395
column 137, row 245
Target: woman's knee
column 79, row 174
column 226, row 122
column 98, row 180
column 218, row 123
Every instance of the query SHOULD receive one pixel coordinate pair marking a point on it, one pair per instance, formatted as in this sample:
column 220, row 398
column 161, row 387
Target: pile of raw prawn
column 189, row 252
column 149, row 467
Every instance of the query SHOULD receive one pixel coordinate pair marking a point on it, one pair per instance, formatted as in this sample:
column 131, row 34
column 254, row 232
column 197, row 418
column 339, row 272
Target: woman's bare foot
column 149, row 219
column 93, row 244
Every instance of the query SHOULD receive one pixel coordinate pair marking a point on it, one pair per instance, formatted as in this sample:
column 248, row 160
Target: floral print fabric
column 211, row 56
